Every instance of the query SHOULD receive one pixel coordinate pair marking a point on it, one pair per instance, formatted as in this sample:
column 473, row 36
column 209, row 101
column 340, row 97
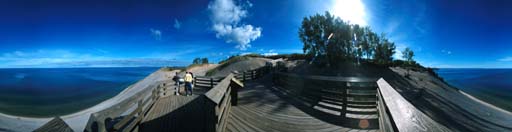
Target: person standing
column 188, row 83
column 177, row 82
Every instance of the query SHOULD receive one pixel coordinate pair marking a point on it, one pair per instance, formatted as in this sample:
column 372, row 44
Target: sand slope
column 244, row 65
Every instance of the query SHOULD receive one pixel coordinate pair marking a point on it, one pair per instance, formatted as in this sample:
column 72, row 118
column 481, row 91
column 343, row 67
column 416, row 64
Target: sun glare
column 350, row 10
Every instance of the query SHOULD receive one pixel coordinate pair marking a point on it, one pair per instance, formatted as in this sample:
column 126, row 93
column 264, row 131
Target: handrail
column 332, row 78
column 217, row 92
column 402, row 115
column 206, row 81
column 386, row 123
column 334, row 88
column 139, row 113
column 253, row 74
column 143, row 105
column 221, row 98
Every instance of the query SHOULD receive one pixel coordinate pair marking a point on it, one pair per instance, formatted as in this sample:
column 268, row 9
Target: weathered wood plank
column 332, row 78
column 217, row 92
column 54, row 125
column 405, row 116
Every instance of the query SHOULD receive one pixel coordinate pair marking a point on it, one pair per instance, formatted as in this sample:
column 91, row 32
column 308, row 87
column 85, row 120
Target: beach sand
column 77, row 121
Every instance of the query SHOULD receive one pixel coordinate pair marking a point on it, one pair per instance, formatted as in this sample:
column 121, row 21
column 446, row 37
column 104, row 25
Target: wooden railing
column 344, row 92
column 386, row 123
column 395, row 113
column 105, row 120
column 253, row 74
column 208, row 82
column 398, row 114
column 220, row 99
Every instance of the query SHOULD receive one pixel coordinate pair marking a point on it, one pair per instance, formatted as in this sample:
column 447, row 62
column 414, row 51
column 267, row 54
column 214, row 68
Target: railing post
column 252, row 75
column 140, row 109
column 243, row 75
column 345, row 101
column 195, row 81
column 100, row 123
column 259, row 72
column 211, row 82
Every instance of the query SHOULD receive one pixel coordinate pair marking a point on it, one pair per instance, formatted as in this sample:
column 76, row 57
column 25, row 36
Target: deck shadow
column 189, row 117
column 265, row 83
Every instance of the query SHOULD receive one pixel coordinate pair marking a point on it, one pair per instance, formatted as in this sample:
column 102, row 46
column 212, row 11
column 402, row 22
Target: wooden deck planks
column 166, row 105
column 260, row 109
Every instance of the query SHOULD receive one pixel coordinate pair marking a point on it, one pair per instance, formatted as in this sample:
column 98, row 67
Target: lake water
column 44, row 92
column 490, row 85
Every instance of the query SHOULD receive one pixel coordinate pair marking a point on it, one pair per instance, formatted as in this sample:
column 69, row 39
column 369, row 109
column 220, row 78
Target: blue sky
column 99, row 33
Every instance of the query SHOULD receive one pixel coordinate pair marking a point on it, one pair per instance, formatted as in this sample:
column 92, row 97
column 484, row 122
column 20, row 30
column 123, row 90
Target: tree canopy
column 407, row 54
column 200, row 61
column 329, row 39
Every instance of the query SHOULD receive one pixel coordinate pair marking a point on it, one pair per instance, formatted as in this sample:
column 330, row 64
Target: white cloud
column 241, row 35
column 64, row 58
column 446, row 52
column 157, row 34
column 509, row 58
column 177, row 24
column 226, row 17
column 270, row 53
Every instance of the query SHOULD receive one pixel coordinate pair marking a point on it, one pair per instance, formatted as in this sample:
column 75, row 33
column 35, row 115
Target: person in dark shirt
column 176, row 80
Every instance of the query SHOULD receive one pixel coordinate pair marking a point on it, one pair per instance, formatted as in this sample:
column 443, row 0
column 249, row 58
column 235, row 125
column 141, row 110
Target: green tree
column 384, row 51
column 315, row 32
column 373, row 41
column 364, row 42
column 328, row 39
column 196, row 61
column 204, row 61
column 358, row 37
column 407, row 54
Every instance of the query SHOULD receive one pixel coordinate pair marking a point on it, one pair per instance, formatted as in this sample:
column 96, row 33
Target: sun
column 350, row 10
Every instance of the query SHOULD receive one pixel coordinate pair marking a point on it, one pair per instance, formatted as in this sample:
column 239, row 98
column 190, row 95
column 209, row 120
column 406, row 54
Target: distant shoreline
column 78, row 120
column 460, row 79
column 485, row 103
column 76, row 67
column 42, row 93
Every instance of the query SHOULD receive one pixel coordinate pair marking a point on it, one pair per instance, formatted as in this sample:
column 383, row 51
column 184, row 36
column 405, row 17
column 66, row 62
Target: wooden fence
column 220, row 100
column 210, row 82
column 398, row 114
column 348, row 97
column 253, row 74
column 110, row 119
column 206, row 82
column 395, row 113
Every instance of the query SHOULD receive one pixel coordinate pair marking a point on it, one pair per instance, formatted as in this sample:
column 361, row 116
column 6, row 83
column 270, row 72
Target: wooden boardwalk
column 167, row 105
column 174, row 113
column 262, row 109
column 276, row 102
